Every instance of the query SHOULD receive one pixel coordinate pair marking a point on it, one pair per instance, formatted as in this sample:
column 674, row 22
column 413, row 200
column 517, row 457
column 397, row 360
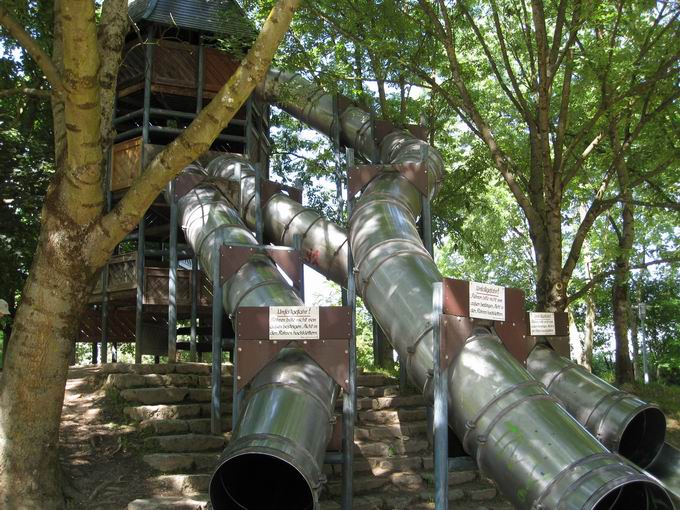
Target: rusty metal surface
column 185, row 182
column 455, row 330
column 290, row 261
column 271, row 188
column 360, row 176
column 232, row 258
column 334, row 323
column 255, row 350
column 512, row 331
column 335, row 444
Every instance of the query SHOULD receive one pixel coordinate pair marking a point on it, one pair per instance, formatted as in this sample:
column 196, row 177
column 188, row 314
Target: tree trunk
column 589, row 327
column 33, row 381
column 76, row 239
column 575, row 343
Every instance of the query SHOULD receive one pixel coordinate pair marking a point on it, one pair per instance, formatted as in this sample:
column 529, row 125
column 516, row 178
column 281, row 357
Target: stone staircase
column 393, row 459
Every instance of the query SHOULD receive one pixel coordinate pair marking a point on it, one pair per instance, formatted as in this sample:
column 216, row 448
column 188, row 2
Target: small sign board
column 542, row 323
column 487, row 301
column 293, row 322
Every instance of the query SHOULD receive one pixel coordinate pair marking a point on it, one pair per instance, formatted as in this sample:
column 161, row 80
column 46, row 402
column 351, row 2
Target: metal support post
column 105, row 272
column 200, row 76
column 297, row 244
column 216, row 375
column 426, row 211
column 237, row 395
column 259, row 223
column 403, row 377
column 642, row 310
column 147, row 90
column 249, row 128
column 172, row 278
column 94, row 353
column 350, row 398
column 139, row 305
column 195, row 277
column 441, row 432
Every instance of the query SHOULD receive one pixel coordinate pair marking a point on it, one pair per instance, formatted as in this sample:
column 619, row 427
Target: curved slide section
column 537, row 453
column 278, row 445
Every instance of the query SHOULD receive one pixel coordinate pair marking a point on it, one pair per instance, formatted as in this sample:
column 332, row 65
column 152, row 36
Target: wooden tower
column 177, row 56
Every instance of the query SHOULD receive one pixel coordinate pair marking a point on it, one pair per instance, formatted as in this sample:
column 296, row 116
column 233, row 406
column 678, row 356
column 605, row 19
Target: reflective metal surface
column 324, row 244
column 621, row 421
column 277, row 448
column 537, row 453
column 666, row 469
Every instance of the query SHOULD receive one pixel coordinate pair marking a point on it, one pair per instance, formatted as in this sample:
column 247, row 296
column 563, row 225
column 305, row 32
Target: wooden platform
column 122, row 288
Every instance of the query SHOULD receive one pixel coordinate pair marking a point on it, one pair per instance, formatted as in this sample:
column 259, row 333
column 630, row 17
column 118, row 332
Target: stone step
column 132, row 380
column 178, row 426
column 378, row 432
column 361, row 484
column 383, row 416
column 167, row 368
column 184, row 484
column 182, row 462
column 171, row 395
column 170, row 503
column 398, row 402
column 358, row 503
column 375, row 380
column 397, row 446
column 381, row 466
column 362, row 403
column 171, row 411
column 377, row 391
column 186, row 443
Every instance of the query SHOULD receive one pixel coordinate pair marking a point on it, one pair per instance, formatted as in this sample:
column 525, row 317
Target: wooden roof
column 222, row 17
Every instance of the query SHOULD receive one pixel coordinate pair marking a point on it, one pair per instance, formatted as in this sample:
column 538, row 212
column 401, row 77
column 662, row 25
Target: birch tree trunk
column 77, row 237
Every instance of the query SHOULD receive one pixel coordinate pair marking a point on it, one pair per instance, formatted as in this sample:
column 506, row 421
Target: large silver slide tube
column 536, row 452
column 621, row 421
column 277, row 447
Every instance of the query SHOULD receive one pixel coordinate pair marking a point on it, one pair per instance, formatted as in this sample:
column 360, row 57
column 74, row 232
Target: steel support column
column 172, row 278
column 195, row 278
column 349, row 401
column 139, row 305
column 441, row 427
column 216, row 374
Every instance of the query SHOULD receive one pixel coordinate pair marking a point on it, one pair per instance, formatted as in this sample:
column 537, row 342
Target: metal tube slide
column 621, row 421
column 537, row 453
column 275, row 457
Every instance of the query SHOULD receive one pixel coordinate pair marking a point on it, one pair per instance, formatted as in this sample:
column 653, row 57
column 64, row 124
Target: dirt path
column 100, row 457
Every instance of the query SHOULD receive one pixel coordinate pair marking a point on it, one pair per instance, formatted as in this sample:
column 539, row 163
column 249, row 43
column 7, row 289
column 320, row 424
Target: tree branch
column 27, row 91
column 673, row 259
column 34, row 50
column 113, row 27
